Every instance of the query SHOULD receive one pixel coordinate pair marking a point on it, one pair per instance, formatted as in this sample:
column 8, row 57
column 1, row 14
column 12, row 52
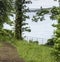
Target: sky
column 40, row 30
column 38, row 4
column 43, row 3
column 43, row 29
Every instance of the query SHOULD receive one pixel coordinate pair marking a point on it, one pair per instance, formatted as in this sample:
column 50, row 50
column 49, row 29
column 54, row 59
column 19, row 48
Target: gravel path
column 8, row 53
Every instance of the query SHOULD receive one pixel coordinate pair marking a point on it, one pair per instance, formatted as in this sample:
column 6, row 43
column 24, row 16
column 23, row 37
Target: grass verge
column 33, row 52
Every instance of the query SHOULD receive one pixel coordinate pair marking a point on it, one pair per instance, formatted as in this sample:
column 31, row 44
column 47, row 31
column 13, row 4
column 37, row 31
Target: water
column 40, row 31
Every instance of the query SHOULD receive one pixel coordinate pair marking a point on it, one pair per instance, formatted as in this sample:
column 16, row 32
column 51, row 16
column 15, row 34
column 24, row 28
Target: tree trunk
column 18, row 31
column 19, row 20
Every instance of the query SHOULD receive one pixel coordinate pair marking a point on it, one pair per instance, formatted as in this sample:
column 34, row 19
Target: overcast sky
column 40, row 29
column 38, row 4
column 43, row 3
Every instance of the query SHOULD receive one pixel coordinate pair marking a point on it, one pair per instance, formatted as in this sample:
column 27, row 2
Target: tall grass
column 32, row 52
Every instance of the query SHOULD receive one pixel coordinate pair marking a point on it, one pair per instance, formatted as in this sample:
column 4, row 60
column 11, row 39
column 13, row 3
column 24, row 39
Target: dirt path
column 8, row 53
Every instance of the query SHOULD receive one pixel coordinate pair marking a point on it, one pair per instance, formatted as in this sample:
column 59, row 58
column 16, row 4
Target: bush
column 31, row 41
column 6, row 35
column 57, row 50
column 35, row 42
column 50, row 42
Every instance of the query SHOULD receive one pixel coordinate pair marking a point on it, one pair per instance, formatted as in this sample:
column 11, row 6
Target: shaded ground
column 8, row 53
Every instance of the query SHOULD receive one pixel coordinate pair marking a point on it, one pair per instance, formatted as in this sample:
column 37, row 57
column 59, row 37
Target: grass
column 0, row 44
column 32, row 52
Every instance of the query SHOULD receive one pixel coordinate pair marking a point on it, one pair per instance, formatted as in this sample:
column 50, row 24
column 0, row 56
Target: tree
column 55, row 15
column 5, row 12
column 20, row 19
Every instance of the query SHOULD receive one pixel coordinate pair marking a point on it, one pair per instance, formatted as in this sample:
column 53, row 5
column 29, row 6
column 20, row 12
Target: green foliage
column 20, row 11
column 5, row 11
column 57, row 49
column 57, row 42
column 55, row 15
column 32, row 52
column 6, row 35
column 42, row 12
column 55, row 12
column 50, row 42
column 40, row 15
column 34, row 42
column 17, row 7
